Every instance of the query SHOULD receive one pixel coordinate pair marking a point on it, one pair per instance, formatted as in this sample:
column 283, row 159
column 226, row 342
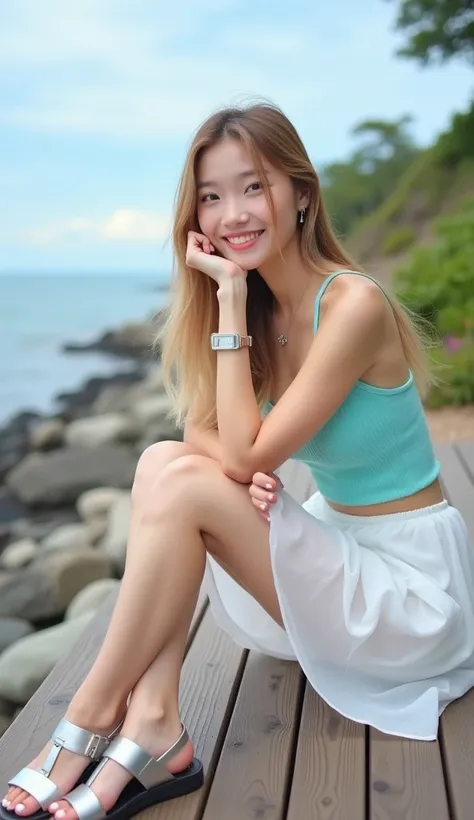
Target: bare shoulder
column 355, row 298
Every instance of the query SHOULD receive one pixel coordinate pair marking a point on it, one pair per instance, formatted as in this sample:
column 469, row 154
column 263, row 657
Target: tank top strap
column 328, row 280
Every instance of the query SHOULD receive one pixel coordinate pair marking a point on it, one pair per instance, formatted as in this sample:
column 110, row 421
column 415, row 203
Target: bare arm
column 344, row 348
column 207, row 441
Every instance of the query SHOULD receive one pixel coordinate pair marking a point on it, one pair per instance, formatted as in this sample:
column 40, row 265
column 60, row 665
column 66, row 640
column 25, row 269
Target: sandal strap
column 85, row 803
column 79, row 741
column 149, row 771
column 38, row 785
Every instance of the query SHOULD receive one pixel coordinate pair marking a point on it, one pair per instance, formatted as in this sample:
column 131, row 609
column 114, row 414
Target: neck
column 290, row 278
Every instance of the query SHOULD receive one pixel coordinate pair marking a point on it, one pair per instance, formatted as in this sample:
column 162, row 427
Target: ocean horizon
column 39, row 312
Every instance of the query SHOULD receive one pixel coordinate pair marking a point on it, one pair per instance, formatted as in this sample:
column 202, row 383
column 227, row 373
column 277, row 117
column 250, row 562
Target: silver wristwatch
column 229, row 341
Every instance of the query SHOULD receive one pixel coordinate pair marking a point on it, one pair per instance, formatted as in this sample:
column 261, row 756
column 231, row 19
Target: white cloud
column 124, row 224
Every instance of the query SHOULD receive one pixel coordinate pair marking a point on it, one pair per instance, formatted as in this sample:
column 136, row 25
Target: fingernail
column 59, row 814
column 54, row 807
column 268, row 486
column 263, row 506
column 20, row 808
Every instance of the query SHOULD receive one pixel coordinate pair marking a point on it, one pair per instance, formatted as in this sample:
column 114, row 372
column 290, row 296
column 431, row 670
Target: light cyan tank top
column 376, row 447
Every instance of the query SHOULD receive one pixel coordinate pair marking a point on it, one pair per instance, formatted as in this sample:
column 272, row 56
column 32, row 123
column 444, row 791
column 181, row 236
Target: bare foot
column 68, row 767
column 111, row 781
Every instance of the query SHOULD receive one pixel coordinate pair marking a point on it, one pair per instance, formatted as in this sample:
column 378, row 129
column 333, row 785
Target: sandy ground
column 451, row 423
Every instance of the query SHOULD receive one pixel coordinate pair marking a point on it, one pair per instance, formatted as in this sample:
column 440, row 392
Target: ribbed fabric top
column 376, row 447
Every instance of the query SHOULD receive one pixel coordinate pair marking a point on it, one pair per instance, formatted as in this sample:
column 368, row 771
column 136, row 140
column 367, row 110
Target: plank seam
column 464, row 463
column 368, row 775
column 221, row 737
column 446, row 774
column 303, row 683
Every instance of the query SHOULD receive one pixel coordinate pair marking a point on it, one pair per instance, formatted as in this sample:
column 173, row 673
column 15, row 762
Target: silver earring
column 302, row 215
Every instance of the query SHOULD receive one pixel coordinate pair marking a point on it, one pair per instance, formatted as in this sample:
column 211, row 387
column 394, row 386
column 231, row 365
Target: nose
column 233, row 215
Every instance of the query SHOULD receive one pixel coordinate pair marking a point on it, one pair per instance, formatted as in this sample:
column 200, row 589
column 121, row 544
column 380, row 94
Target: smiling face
column 233, row 211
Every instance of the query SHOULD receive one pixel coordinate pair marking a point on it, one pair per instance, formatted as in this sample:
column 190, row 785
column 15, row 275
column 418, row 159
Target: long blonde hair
column 189, row 364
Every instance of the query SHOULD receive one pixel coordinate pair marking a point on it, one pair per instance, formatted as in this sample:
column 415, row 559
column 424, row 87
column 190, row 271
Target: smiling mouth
column 245, row 240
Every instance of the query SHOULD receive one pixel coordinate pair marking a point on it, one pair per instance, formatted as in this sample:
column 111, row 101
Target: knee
column 176, row 488
column 156, row 458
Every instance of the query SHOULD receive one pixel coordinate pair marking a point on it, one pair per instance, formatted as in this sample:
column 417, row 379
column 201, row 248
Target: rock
column 44, row 523
column 25, row 665
column 79, row 402
column 114, row 544
column 46, row 587
column 48, row 434
column 150, row 409
column 11, row 512
column 4, row 724
column 133, row 340
column 97, row 502
column 14, row 441
column 159, row 431
column 91, row 598
column 69, row 536
column 97, row 430
column 18, row 554
column 11, row 630
column 61, row 476
column 96, row 529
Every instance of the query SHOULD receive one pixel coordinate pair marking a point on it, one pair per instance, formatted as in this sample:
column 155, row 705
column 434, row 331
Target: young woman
column 369, row 584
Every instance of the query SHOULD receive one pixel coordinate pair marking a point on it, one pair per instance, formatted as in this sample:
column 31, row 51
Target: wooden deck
column 272, row 749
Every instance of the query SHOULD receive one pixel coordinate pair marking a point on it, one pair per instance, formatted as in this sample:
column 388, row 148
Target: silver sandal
column 39, row 784
column 152, row 781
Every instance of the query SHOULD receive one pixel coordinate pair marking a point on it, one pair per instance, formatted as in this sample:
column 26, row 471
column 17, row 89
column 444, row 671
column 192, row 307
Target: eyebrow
column 211, row 184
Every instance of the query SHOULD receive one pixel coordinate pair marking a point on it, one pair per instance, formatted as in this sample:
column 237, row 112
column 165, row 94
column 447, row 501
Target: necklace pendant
column 282, row 340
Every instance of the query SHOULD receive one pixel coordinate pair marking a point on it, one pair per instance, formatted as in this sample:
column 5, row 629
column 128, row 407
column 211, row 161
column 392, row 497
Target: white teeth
column 240, row 240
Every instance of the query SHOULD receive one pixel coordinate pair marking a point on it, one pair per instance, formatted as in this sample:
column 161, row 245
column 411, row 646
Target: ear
column 303, row 198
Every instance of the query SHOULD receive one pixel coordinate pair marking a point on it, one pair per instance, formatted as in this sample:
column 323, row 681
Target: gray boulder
column 18, row 554
column 91, row 598
column 11, row 630
column 25, row 665
column 46, row 587
column 61, row 476
column 97, row 430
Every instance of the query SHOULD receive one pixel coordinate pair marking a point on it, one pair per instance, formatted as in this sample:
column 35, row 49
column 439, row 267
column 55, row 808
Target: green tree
column 437, row 29
column 354, row 188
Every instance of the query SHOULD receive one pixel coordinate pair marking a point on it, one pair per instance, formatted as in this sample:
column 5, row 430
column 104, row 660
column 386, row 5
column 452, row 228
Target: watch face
column 225, row 341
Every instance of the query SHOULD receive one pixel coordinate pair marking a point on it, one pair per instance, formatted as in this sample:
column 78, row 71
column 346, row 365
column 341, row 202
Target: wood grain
column 329, row 775
column 252, row 774
column 406, row 779
column 33, row 727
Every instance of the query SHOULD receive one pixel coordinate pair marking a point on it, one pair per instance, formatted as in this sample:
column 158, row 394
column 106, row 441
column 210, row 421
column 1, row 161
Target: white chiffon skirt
column 378, row 611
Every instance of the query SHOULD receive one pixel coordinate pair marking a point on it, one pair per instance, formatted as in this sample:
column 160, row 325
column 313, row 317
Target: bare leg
column 193, row 506
column 157, row 690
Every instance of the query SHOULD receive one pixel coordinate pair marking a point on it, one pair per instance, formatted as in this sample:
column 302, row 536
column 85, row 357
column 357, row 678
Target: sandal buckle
column 96, row 746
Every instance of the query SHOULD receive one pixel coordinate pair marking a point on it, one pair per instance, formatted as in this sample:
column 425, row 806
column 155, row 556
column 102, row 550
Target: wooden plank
column 466, row 451
column 457, row 743
column 457, row 722
column 406, row 779
column 329, row 776
column 457, row 483
column 211, row 676
column 33, row 727
column 252, row 774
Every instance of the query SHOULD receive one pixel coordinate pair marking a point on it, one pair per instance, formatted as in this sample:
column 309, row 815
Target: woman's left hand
column 263, row 491
column 200, row 254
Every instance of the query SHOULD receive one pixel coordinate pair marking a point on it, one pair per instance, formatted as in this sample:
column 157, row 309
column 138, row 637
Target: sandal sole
column 136, row 798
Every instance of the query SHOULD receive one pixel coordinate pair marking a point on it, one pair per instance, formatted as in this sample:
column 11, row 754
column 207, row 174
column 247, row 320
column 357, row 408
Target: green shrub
column 438, row 284
column 455, row 374
column 398, row 239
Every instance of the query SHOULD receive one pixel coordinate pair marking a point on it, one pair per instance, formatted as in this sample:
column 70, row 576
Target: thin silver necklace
column 282, row 339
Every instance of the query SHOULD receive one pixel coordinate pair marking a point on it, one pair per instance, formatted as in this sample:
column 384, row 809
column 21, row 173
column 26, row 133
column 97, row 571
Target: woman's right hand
column 263, row 492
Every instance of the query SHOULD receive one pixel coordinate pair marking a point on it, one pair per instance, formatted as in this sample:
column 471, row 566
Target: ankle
column 164, row 722
column 95, row 714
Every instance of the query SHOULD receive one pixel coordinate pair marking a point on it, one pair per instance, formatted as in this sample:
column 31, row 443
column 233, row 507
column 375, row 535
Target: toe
column 65, row 811
column 27, row 805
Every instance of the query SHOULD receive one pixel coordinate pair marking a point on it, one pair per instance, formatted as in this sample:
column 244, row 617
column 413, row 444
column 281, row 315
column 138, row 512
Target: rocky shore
column 65, row 483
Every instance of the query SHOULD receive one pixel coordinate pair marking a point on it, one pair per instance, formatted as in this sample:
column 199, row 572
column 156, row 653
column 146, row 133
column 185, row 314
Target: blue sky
column 99, row 99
